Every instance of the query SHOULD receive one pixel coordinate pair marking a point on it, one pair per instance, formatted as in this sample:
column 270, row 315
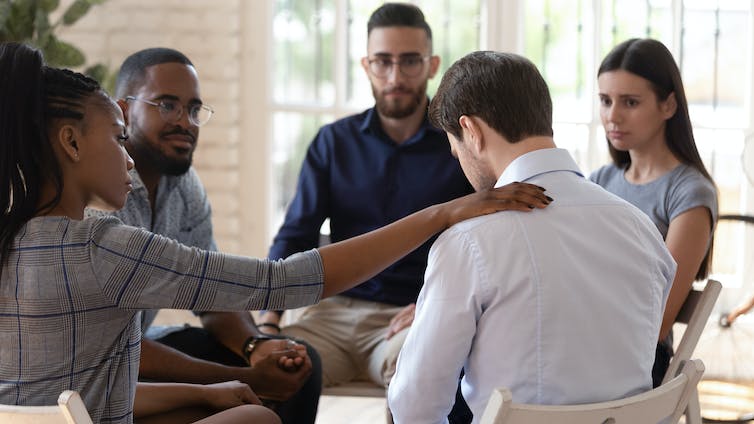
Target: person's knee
column 388, row 357
column 315, row 379
column 246, row 414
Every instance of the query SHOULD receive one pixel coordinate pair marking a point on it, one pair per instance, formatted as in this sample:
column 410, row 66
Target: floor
column 727, row 387
column 351, row 410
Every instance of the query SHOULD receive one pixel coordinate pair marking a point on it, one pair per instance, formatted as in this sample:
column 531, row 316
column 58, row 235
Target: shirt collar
column 168, row 181
column 136, row 182
column 371, row 124
column 538, row 162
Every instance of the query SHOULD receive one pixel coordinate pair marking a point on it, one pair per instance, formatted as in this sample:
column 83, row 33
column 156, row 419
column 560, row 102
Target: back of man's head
column 398, row 14
column 504, row 89
column 132, row 71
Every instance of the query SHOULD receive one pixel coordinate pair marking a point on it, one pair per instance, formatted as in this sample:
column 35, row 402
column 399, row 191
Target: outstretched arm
column 357, row 259
column 740, row 310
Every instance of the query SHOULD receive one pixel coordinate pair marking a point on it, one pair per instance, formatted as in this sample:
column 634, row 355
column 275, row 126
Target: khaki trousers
column 349, row 335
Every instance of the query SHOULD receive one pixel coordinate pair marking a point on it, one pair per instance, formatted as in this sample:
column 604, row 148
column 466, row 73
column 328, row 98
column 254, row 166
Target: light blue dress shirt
column 561, row 305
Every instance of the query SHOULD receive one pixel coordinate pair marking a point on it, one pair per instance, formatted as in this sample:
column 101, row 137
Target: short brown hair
column 398, row 14
column 504, row 89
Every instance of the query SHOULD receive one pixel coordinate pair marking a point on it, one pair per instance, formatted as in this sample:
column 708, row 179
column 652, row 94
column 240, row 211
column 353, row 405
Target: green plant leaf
column 97, row 72
column 104, row 76
column 4, row 15
column 76, row 11
column 20, row 23
column 48, row 6
column 61, row 54
column 43, row 30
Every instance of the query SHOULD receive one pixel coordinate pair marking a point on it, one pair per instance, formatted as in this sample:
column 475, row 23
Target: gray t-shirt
column 676, row 192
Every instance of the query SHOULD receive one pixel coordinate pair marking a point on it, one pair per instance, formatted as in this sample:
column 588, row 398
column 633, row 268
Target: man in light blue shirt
column 562, row 305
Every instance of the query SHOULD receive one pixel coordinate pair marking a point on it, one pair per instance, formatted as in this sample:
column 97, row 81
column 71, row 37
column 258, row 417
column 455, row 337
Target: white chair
column 695, row 313
column 70, row 410
column 664, row 404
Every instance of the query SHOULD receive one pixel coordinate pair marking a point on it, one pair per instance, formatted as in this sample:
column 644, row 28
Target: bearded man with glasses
column 158, row 89
column 362, row 172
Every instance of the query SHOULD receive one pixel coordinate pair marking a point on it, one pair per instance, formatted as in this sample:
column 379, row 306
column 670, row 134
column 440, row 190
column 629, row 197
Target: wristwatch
column 251, row 343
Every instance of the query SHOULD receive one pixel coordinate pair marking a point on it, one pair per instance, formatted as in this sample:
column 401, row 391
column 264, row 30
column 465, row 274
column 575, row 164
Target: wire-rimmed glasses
column 410, row 65
column 171, row 110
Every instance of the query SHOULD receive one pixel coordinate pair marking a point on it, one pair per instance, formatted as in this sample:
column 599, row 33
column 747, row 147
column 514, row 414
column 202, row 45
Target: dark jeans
column 460, row 414
column 663, row 353
column 301, row 408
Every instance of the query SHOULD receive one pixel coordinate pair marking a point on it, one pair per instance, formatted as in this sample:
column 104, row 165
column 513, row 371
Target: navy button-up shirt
column 354, row 174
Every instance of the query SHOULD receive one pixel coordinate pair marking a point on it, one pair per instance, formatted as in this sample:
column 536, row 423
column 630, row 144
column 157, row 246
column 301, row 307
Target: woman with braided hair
column 71, row 288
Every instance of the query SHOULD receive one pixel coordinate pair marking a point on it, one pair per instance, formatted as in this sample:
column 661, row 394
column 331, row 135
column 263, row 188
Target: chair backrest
column 69, row 410
column 663, row 404
column 695, row 313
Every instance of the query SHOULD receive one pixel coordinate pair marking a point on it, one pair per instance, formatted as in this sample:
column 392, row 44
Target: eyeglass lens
column 172, row 111
column 409, row 66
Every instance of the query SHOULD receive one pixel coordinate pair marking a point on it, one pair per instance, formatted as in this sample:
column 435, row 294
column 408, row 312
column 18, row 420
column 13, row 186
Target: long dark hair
column 32, row 95
column 651, row 60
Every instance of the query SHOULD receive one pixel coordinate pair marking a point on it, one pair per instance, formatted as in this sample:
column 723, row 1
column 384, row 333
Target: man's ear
column 65, row 137
column 669, row 106
column 473, row 131
column 434, row 65
column 124, row 108
column 365, row 65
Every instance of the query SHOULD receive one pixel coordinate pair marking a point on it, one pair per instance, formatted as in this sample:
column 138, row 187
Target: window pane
column 559, row 40
column 455, row 32
column 574, row 138
column 721, row 151
column 625, row 19
column 713, row 67
column 304, row 42
column 358, row 90
column 601, row 154
column 293, row 133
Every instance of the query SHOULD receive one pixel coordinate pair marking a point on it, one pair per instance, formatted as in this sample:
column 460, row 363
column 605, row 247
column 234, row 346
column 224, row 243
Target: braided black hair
column 32, row 97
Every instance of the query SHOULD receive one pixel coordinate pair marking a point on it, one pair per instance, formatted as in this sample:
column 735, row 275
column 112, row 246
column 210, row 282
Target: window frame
column 501, row 28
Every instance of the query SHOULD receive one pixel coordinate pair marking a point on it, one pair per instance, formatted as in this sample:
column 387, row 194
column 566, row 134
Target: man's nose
column 394, row 73
column 183, row 120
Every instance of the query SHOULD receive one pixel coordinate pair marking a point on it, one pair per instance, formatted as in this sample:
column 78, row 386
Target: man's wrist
column 251, row 343
column 269, row 325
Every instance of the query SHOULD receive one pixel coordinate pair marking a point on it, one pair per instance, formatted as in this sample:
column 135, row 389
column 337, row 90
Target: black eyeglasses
column 410, row 66
column 172, row 110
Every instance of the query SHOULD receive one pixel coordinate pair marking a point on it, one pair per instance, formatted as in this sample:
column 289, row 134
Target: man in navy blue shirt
column 363, row 172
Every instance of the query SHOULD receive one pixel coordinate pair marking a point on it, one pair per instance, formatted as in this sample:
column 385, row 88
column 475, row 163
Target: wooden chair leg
column 693, row 411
